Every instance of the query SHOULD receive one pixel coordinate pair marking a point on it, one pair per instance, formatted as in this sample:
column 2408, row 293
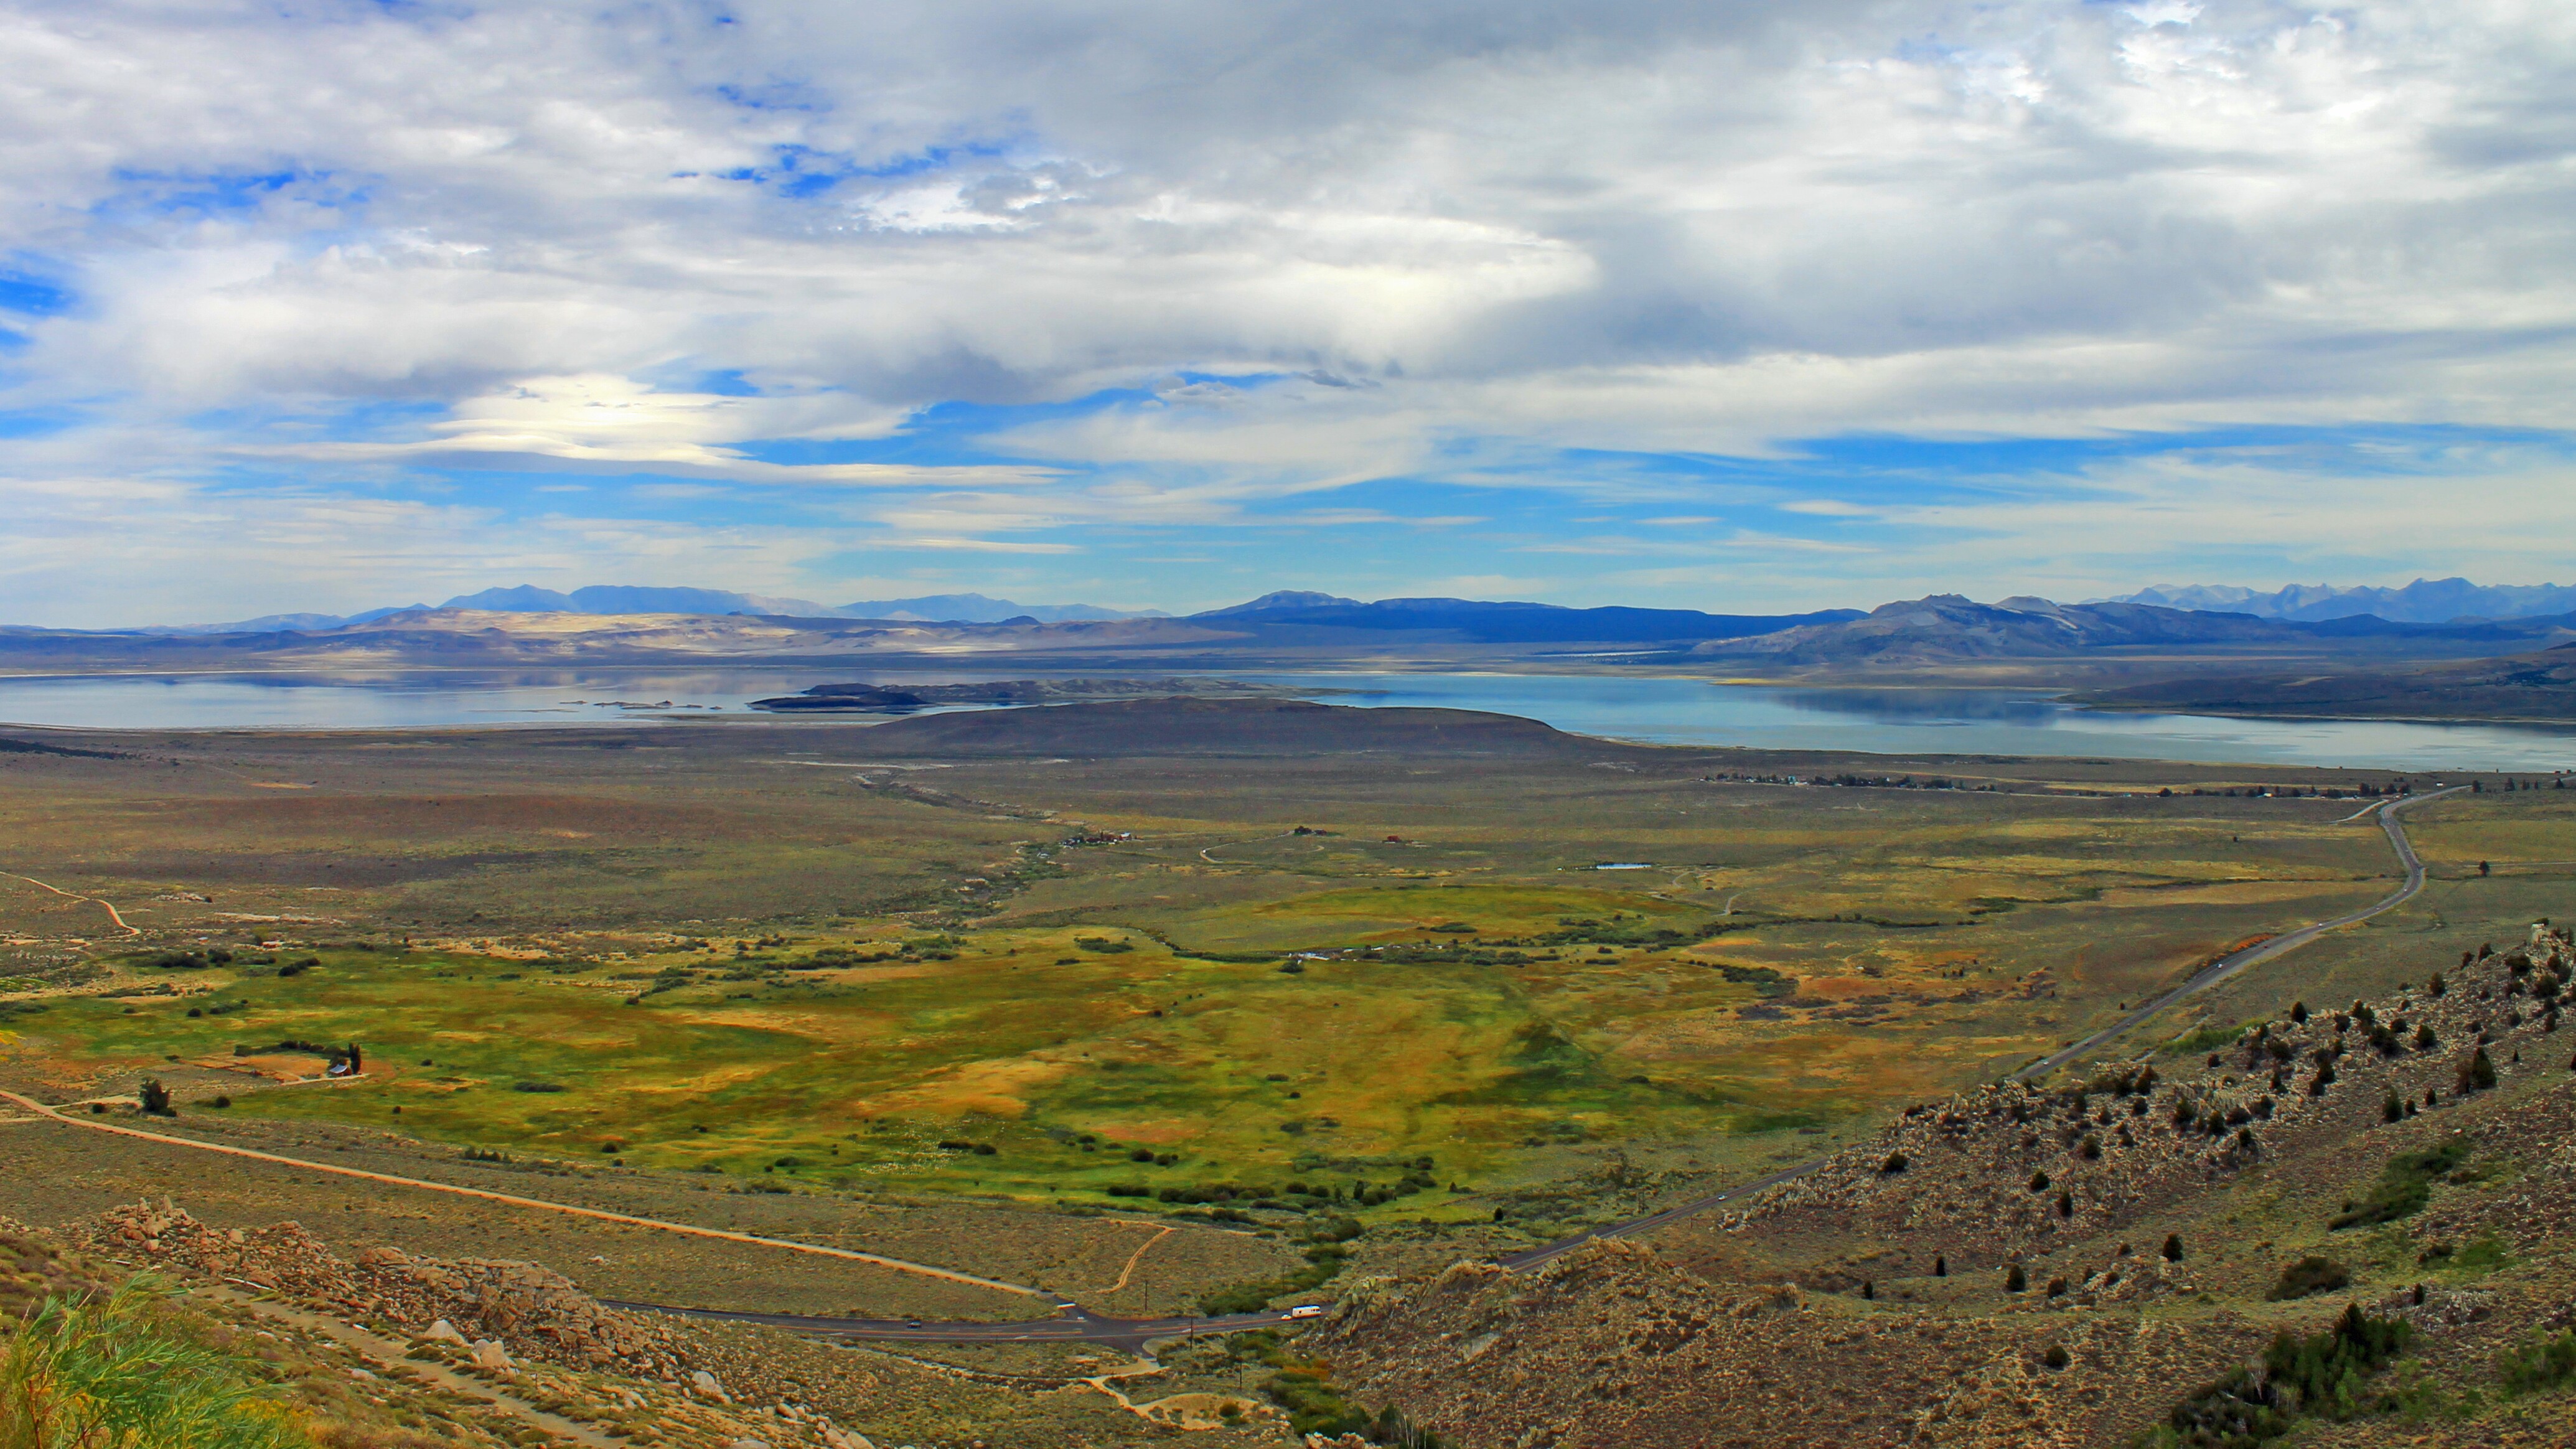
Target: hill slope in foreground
column 2352, row 1227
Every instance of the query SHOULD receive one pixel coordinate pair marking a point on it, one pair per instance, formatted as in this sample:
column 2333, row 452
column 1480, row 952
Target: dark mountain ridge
column 1513, row 623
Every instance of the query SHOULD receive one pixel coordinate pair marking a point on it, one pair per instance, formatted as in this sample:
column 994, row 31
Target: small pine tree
column 2173, row 1247
column 2437, row 985
column 2299, row 1012
column 2425, row 1040
column 156, row 1098
column 2392, row 1110
column 2039, row 1182
column 2015, row 1280
column 1869, row 1290
column 1940, row 1266
column 2479, row 1074
column 2065, row 1204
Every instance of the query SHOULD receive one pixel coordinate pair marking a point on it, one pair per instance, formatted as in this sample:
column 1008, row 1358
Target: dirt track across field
column 897, row 1264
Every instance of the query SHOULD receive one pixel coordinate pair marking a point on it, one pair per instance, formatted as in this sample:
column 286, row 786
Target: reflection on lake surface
column 1675, row 711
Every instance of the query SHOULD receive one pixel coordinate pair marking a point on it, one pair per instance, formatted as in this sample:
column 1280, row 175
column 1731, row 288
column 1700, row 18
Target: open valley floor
column 1164, row 1009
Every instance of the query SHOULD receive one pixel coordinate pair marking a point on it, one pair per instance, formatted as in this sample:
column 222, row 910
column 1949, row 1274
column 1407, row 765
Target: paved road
column 2207, row 977
column 1077, row 1325
column 2229, row 965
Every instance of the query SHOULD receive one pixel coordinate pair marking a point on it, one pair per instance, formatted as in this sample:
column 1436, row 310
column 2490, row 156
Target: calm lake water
column 1675, row 711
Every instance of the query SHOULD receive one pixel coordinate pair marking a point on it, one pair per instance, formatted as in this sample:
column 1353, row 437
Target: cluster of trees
column 2363, row 791
column 353, row 1055
column 1622, row 930
column 2324, row 1374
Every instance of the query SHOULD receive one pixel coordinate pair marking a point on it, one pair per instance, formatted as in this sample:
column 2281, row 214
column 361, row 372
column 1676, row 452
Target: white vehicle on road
column 1307, row 1310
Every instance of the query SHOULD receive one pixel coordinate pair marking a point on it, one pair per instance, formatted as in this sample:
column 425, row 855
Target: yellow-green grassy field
column 582, row 979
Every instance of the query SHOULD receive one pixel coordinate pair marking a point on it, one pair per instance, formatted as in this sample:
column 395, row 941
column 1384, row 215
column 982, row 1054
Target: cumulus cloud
column 1304, row 246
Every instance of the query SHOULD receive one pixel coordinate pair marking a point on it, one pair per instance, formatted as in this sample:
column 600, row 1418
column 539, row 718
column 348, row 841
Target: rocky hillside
column 2022, row 1265
column 417, row 1351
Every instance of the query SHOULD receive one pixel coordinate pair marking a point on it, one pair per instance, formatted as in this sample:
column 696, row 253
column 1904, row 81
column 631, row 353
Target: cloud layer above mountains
column 1707, row 303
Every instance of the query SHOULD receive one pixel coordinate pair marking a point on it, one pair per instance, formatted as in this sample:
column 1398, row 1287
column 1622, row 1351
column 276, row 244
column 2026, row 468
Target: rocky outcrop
column 1611, row 1346
column 522, row 1308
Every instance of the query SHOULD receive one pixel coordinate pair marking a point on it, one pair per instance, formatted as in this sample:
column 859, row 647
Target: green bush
column 2541, row 1361
column 2308, row 1277
column 2206, row 1039
column 2405, row 1186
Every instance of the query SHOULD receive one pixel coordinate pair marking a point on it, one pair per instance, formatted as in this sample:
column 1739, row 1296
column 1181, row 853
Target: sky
column 311, row 305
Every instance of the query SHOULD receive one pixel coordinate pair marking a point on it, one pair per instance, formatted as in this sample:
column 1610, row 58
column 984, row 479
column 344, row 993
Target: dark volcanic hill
column 1220, row 727
column 2536, row 686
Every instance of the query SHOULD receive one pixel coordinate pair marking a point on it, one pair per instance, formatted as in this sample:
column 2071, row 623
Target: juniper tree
column 2479, row 1074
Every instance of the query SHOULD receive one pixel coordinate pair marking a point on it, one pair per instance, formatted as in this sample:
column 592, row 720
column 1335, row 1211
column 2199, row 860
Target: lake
column 1673, row 711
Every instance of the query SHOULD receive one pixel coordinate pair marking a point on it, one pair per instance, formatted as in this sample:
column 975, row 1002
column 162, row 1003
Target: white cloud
column 1470, row 234
column 977, row 545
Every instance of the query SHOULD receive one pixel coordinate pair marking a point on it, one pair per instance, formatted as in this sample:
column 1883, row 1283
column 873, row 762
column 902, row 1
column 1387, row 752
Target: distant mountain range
column 2425, row 601
column 1482, row 622
column 1295, row 629
column 1293, row 624
column 1948, row 628
column 642, row 599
